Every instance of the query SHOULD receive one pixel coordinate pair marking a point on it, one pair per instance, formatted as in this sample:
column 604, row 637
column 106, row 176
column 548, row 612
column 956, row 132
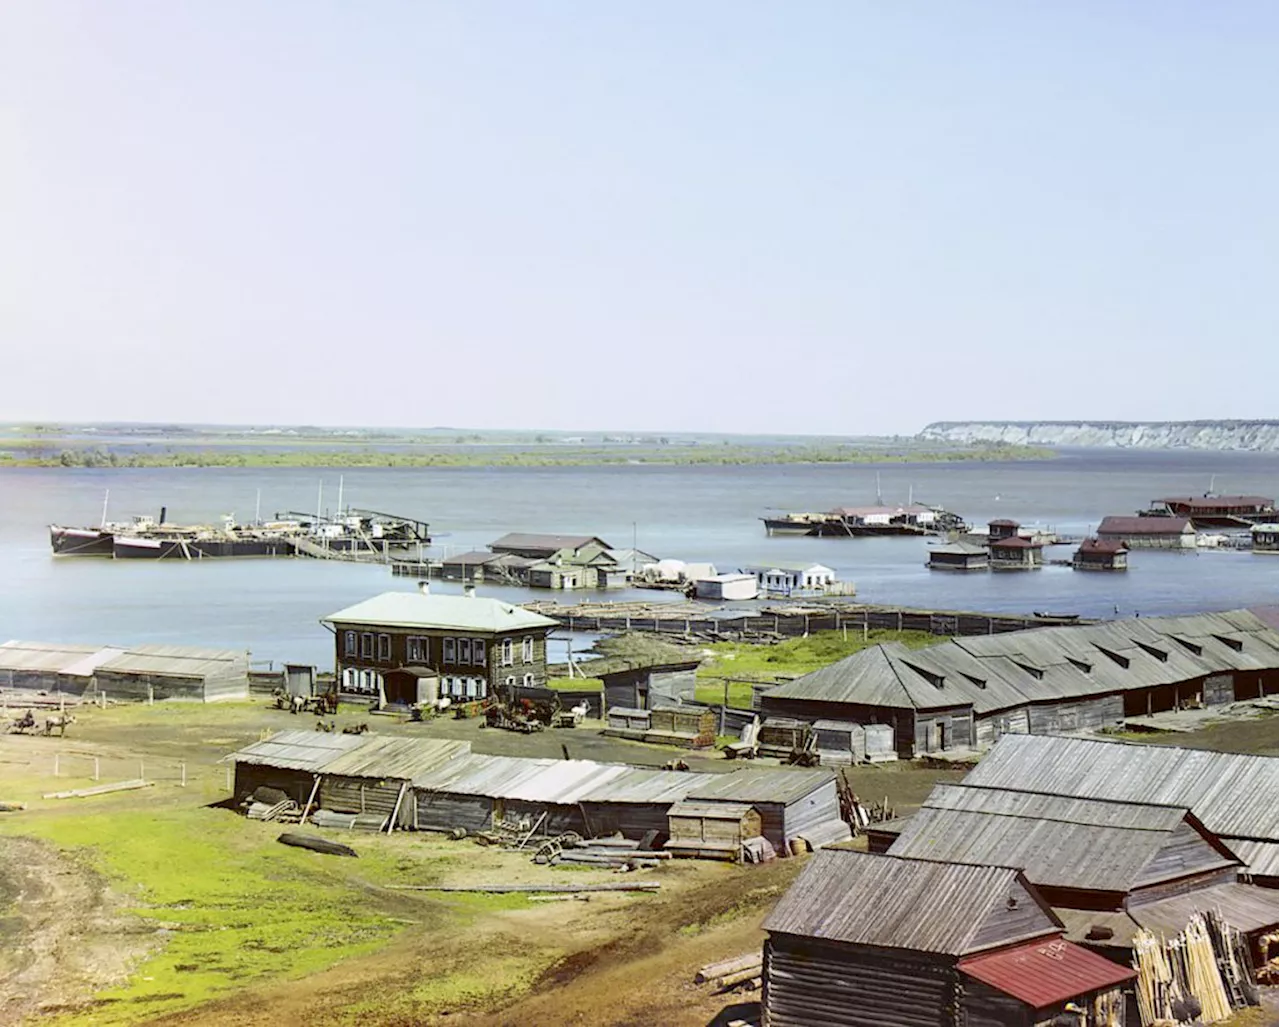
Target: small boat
column 80, row 541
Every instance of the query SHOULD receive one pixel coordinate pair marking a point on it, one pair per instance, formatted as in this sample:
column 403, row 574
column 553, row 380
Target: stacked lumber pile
column 285, row 811
column 614, row 853
column 1200, row 974
column 743, row 973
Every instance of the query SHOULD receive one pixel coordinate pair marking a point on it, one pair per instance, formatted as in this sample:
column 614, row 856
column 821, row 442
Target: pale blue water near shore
column 272, row 607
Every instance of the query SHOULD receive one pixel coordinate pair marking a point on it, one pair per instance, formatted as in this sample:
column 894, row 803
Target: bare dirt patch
column 62, row 934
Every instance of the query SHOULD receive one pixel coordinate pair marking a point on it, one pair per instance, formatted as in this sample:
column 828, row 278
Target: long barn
column 970, row 691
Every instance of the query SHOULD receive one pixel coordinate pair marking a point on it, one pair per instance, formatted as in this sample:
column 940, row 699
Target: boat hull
column 79, row 541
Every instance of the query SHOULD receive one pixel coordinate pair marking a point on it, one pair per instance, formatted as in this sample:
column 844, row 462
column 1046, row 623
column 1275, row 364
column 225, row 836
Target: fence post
column 95, row 768
column 184, row 775
column 55, row 764
column 142, row 772
column 228, row 777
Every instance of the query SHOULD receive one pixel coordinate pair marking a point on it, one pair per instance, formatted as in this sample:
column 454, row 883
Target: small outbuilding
column 730, row 587
column 839, row 743
column 958, row 556
column 711, row 830
column 792, row 579
column 1096, row 554
column 627, row 722
column 691, row 727
column 792, row 803
column 861, row 939
column 1015, row 554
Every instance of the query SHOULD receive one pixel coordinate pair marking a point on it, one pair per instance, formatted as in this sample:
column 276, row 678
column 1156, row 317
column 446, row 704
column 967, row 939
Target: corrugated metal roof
column 297, row 750
column 752, row 786
column 1261, row 858
column 1244, row 906
column 559, row 782
column 385, row 756
column 1063, row 842
column 859, row 898
column 638, row 784
column 85, row 660
column 1041, row 974
column 415, row 610
column 1233, row 795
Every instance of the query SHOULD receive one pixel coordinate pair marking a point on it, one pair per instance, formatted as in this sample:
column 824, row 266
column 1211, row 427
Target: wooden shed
column 289, row 762
column 642, row 687
column 781, row 736
column 958, row 556
column 692, row 727
column 880, row 746
column 627, row 722
column 792, row 803
column 840, row 743
column 711, row 830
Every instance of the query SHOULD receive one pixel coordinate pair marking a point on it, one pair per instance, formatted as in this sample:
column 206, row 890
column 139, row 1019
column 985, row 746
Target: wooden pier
column 704, row 620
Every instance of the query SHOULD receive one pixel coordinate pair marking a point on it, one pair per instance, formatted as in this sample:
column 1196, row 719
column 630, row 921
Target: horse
column 59, row 721
column 24, row 723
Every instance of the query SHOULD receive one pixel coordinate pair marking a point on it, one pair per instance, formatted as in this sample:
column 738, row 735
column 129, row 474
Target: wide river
column 272, row 607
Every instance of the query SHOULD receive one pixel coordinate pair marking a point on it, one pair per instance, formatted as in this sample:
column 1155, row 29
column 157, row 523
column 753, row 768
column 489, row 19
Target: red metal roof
column 1245, row 503
column 1015, row 542
column 1103, row 545
column 1042, row 974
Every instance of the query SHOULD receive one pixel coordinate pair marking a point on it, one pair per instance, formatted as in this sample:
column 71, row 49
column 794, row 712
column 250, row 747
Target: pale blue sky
column 833, row 217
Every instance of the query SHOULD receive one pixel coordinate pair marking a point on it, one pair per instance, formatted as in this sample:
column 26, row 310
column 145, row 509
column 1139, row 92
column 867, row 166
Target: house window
column 350, row 679
column 471, row 688
column 366, row 645
column 384, row 648
column 415, row 650
column 508, row 652
column 511, row 681
column 528, row 681
column 449, row 654
column 477, row 652
column 482, row 687
column 349, row 643
column 464, row 650
column 526, row 650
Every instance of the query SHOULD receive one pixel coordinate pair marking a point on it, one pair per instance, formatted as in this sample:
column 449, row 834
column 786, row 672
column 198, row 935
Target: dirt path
column 61, row 935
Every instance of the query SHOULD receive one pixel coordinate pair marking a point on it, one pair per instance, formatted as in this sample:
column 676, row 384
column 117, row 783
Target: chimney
column 163, row 511
column 424, row 588
column 469, row 591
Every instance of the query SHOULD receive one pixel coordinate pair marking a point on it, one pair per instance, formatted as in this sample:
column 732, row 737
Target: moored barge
column 1214, row 511
column 866, row 521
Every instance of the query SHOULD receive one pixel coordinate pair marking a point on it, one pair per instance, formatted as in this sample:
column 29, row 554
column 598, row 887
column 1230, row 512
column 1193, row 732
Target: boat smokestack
column 424, row 588
column 469, row 591
column 163, row 511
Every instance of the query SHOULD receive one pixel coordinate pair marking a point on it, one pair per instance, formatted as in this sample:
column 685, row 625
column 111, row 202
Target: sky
column 817, row 217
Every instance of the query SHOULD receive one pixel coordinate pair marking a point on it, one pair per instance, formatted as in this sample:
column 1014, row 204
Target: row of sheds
column 971, row 690
column 998, row 903
column 431, row 784
column 125, row 672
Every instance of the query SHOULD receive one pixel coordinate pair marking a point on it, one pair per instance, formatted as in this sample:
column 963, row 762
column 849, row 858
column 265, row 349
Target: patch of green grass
column 746, row 662
column 576, row 684
column 240, row 907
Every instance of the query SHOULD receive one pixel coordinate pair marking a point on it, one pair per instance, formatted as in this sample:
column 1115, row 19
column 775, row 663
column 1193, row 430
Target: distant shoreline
column 665, row 456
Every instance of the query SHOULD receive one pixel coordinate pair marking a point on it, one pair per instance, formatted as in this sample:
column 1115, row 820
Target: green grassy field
column 744, row 662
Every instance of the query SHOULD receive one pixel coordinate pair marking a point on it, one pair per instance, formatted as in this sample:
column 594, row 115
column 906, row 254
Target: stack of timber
column 1202, row 973
column 348, row 821
column 285, row 811
column 612, row 853
column 742, row 972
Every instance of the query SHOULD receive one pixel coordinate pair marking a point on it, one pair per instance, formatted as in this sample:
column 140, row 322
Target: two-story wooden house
column 416, row 647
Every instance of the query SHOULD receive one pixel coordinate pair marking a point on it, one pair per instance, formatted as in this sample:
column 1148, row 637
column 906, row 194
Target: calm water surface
column 272, row 607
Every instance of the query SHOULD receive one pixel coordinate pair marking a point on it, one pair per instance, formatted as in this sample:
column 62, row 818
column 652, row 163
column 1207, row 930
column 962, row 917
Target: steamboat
column 863, row 521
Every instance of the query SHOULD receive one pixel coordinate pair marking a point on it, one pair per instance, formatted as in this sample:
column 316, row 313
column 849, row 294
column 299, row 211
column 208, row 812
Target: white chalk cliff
column 1253, row 436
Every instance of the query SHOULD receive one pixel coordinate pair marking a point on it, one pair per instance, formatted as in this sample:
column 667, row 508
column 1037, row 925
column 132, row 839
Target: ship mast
column 104, row 509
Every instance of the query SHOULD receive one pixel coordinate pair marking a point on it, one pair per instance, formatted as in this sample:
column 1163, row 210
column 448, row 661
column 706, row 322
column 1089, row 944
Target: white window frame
column 470, row 684
column 526, row 649
column 350, row 643
column 508, row 652
column 413, row 649
column 366, row 645
column 511, row 681
column 478, row 655
column 384, row 648
column 464, row 651
column 450, row 651
column 528, row 681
